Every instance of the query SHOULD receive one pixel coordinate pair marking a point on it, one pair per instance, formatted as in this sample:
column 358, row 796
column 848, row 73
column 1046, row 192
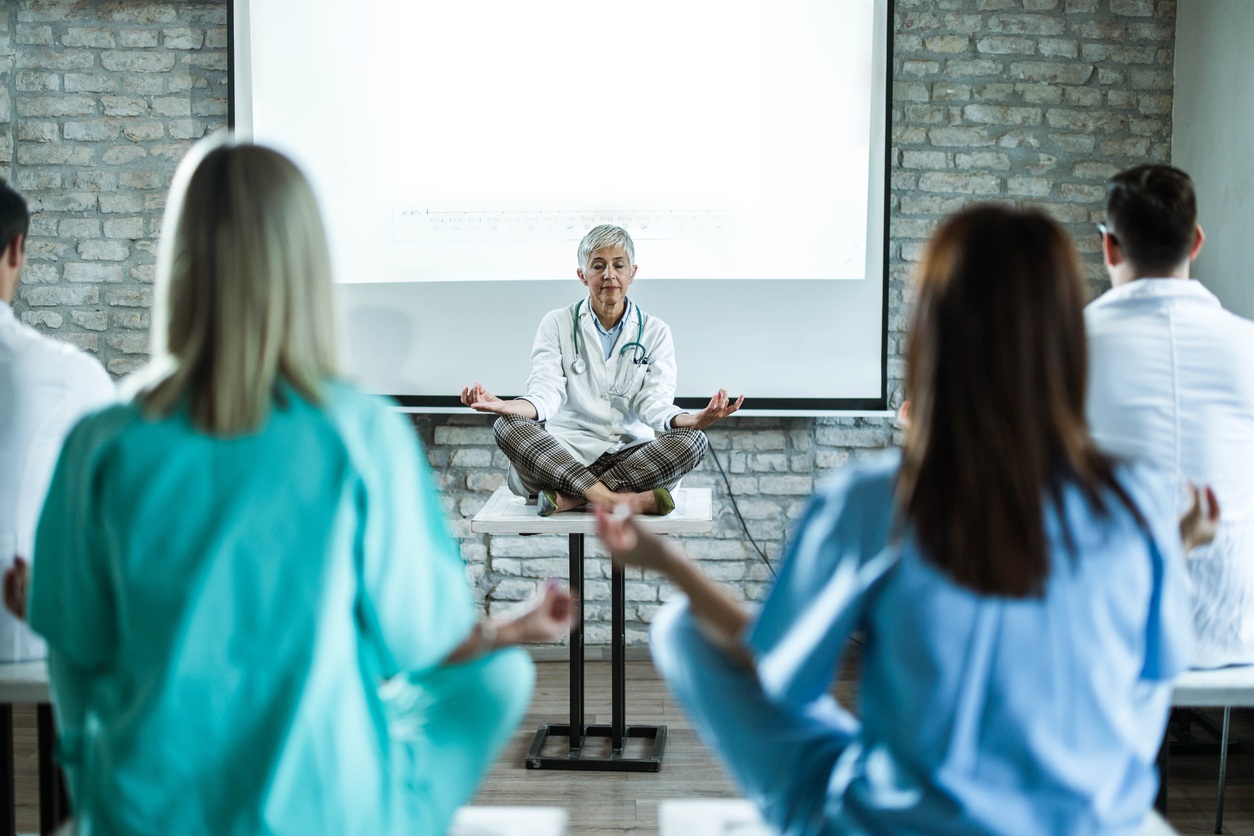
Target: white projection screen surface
column 460, row 151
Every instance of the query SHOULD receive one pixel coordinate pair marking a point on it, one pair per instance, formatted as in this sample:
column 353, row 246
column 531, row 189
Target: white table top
column 1219, row 687
column 506, row 513
column 24, row 682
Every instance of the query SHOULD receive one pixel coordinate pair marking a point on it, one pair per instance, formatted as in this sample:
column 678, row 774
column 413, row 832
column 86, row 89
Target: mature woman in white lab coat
column 602, row 384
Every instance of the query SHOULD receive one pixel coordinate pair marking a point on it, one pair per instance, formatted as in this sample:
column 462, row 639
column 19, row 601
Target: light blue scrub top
column 983, row 714
column 219, row 613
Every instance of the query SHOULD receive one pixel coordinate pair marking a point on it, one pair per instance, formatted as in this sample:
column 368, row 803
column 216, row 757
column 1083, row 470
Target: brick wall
column 99, row 103
column 1025, row 101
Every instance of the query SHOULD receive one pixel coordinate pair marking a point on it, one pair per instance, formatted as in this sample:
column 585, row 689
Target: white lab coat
column 45, row 388
column 1171, row 381
column 579, row 410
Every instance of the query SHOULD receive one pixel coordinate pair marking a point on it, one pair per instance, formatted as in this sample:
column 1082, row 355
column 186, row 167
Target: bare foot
column 569, row 502
column 640, row 503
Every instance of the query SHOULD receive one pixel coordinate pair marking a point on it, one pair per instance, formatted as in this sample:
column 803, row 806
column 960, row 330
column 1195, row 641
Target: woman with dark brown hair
column 1022, row 595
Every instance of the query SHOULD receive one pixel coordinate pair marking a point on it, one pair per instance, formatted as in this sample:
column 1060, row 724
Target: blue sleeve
column 71, row 597
column 1169, row 626
column 839, row 554
column 415, row 604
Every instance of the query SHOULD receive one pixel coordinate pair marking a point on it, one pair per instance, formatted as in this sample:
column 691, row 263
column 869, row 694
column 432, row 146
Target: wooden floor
column 606, row 803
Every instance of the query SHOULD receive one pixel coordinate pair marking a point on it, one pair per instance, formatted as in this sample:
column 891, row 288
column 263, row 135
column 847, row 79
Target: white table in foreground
column 505, row 513
column 509, row 821
column 722, row 816
column 24, row 682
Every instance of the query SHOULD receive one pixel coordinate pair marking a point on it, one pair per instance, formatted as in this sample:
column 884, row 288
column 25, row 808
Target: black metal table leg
column 577, row 731
column 8, row 796
column 576, row 645
column 618, row 656
column 54, row 806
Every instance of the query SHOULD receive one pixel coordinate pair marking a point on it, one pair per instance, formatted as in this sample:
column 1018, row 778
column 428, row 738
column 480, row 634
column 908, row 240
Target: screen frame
column 834, row 407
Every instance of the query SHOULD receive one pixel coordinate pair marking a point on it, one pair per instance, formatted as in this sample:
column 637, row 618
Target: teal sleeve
column 416, row 602
column 71, row 597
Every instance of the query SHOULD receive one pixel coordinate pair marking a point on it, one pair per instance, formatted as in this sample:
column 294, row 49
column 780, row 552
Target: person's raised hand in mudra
column 719, row 407
column 481, row 400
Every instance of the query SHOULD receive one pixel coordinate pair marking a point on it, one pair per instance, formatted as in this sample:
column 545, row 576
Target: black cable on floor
column 736, row 508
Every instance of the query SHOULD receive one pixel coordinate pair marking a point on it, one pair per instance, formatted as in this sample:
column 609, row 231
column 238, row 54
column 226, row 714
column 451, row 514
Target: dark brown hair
column 1152, row 211
column 996, row 369
column 14, row 216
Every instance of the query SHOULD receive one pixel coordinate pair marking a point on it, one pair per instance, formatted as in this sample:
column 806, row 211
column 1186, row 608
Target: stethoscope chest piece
column 579, row 366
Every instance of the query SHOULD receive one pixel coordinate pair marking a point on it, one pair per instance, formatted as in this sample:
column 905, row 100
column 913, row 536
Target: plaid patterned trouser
column 544, row 464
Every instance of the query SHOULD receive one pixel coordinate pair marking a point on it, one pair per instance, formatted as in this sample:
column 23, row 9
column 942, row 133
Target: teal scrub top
column 221, row 611
column 982, row 714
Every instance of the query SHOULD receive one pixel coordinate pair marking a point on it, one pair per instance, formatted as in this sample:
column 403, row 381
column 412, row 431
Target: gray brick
column 95, row 36
column 183, row 37
column 89, row 83
column 137, row 38
column 1001, row 115
column 124, row 228
column 54, row 296
column 122, row 154
column 129, row 297
column 56, row 106
column 1053, row 73
column 1004, row 24
column 96, row 130
column 90, row 320
column 43, row 319
column 54, row 59
column 131, row 61
column 123, row 106
column 30, row 81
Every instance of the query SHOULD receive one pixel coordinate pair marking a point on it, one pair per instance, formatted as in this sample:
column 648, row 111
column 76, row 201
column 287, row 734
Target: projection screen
column 460, row 151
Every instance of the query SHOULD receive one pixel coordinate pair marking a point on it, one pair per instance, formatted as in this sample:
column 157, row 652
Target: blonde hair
column 244, row 290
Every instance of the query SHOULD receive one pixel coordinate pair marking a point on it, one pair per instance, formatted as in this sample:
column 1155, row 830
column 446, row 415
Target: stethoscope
column 640, row 358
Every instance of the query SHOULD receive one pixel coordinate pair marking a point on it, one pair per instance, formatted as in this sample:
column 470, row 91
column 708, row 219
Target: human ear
column 1111, row 251
column 1199, row 238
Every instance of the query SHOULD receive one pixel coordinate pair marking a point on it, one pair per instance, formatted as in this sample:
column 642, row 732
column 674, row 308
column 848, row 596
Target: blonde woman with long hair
column 257, row 621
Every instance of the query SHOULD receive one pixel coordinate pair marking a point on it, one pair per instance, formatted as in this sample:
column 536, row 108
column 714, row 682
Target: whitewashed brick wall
column 1024, row 101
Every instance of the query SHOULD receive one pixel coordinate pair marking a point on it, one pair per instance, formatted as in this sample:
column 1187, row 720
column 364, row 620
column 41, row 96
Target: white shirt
column 1171, row 381
column 45, row 388
column 579, row 409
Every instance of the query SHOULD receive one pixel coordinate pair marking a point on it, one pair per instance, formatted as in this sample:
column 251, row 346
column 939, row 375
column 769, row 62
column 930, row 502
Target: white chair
column 1224, row 688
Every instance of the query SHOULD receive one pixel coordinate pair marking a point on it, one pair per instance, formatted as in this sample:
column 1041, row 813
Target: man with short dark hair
column 1171, row 382
column 46, row 386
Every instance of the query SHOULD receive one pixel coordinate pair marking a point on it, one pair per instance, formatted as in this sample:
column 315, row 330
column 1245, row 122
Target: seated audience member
column 46, row 386
column 1022, row 594
column 1171, row 381
column 256, row 620
column 602, row 384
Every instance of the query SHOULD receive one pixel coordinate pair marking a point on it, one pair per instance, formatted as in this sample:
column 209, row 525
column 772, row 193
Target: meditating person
column 257, row 621
column 599, row 421
column 1171, row 381
column 1022, row 594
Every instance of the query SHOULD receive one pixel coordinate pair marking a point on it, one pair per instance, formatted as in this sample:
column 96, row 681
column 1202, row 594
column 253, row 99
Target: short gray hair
column 605, row 235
